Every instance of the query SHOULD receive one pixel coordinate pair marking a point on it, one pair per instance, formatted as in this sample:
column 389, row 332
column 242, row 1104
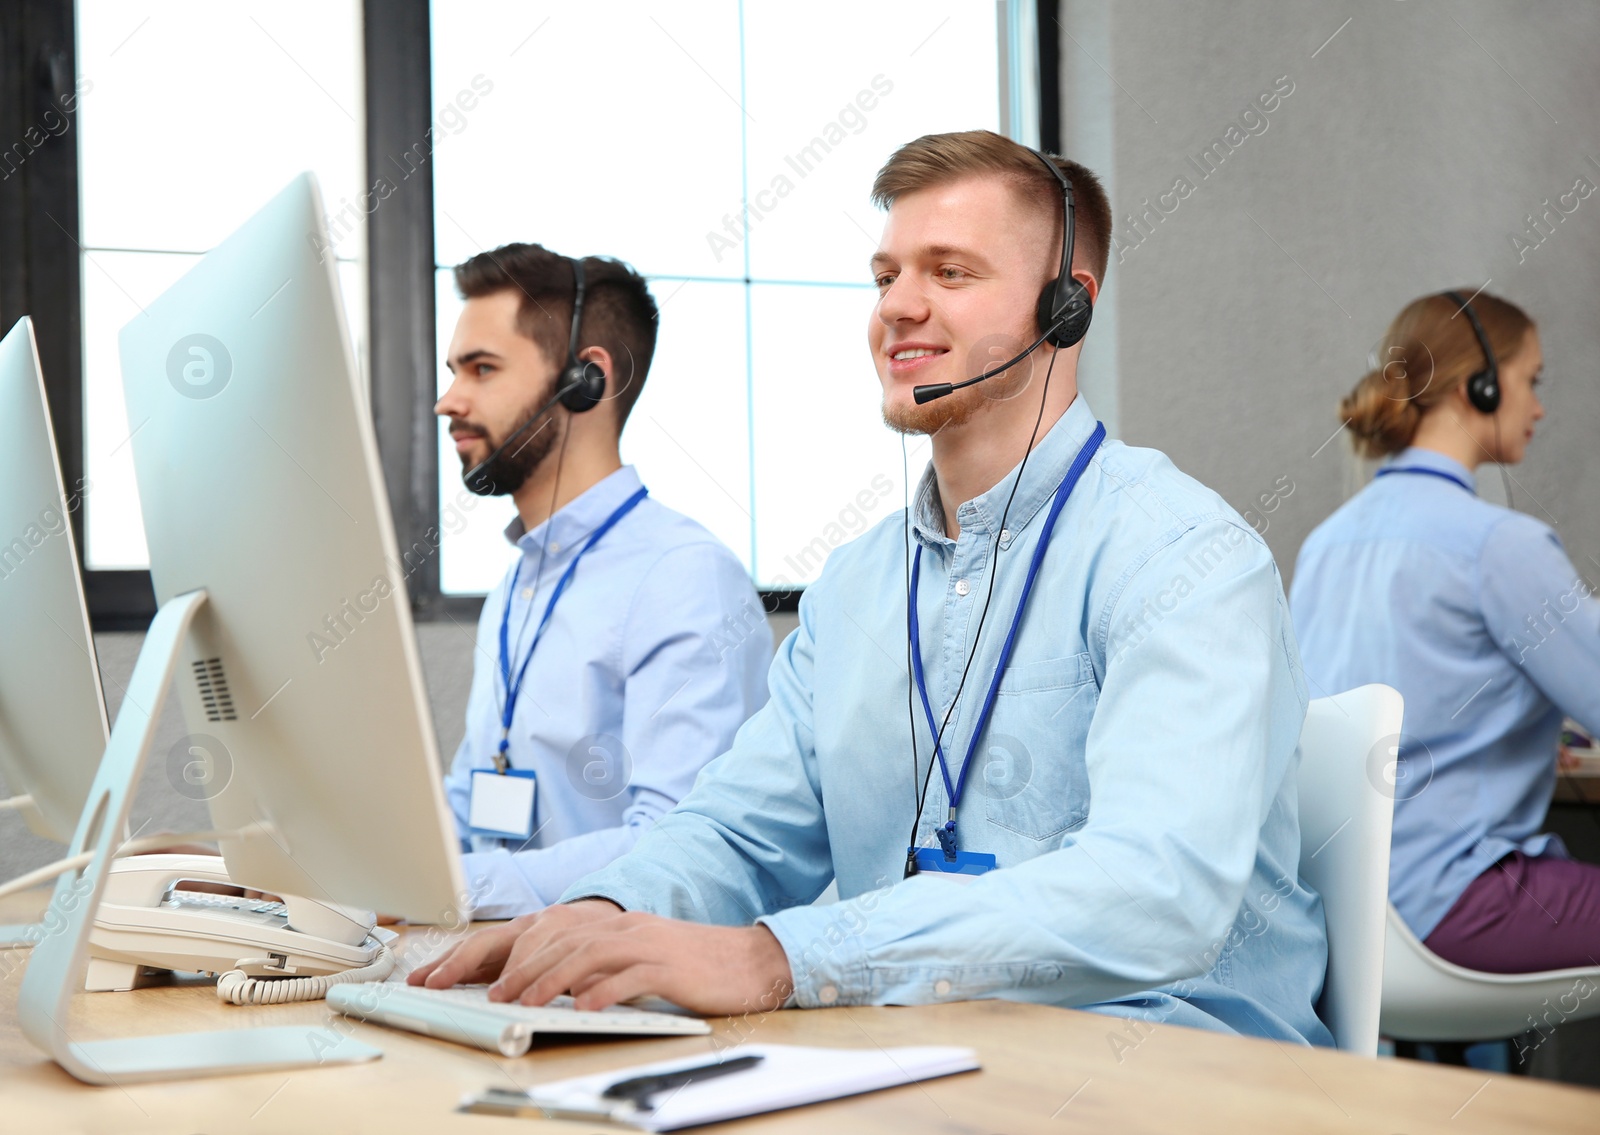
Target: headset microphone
column 939, row 389
column 484, row 486
column 581, row 386
column 1064, row 309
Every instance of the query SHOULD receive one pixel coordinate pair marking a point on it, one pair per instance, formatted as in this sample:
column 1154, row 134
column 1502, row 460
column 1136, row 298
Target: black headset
column 1483, row 388
column 1064, row 306
column 1064, row 309
column 582, row 384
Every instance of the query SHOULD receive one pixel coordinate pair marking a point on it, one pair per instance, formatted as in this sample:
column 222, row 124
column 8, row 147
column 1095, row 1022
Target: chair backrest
column 1346, row 817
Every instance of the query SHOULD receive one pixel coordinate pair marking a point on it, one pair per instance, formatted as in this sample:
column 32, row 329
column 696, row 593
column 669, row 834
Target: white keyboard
column 467, row 1016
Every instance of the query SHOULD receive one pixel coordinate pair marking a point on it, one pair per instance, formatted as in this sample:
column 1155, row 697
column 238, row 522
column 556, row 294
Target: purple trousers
column 1523, row 915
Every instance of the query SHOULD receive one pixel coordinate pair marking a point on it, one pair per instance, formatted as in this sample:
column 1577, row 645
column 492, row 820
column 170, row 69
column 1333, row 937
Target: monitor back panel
column 259, row 480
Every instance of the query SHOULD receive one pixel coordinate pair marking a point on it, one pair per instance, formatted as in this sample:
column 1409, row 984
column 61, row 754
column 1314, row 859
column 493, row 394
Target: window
column 724, row 147
column 192, row 115
column 725, row 150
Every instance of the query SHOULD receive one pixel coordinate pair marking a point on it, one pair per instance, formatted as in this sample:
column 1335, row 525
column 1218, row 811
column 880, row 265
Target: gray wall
column 447, row 657
column 1403, row 163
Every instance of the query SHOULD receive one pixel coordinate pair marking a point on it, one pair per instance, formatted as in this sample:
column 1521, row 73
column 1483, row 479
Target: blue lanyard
column 513, row 688
column 947, row 834
column 1451, row 477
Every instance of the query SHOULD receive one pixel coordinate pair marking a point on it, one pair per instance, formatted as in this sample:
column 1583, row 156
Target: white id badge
column 502, row 803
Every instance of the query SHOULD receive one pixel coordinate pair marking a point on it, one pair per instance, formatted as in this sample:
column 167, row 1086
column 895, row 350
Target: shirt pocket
column 1033, row 774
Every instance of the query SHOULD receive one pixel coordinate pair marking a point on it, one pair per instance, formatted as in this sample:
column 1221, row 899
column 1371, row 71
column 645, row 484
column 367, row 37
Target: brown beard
column 961, row 407
column 506, row 473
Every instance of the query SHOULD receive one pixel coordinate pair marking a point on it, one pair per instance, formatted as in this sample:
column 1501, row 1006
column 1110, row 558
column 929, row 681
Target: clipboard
column 785, row 1076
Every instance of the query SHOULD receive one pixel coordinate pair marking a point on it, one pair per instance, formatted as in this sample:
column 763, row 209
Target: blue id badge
column 502, row 803
column 966, row 866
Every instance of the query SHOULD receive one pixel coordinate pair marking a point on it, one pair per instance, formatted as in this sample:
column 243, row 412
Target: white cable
column 141, row 846
column 15, row 803
column 239, row 988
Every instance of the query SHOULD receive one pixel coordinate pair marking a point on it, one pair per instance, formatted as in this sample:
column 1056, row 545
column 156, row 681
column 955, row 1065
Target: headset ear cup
column 1483, row 391
column 1077, row 312
column 590, row 389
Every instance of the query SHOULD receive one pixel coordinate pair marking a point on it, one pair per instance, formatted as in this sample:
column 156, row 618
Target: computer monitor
column 284, row 623
column 52, row 715
column 260, row 483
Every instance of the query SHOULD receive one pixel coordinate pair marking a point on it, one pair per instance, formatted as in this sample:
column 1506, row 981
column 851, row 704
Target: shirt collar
column 1416, row 457
column 579, row 517
column 1047, row 465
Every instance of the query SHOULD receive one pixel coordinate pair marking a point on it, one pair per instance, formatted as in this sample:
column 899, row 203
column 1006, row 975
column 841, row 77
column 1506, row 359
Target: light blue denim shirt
column 1136, row 781
column 655, row 655
column 1476, row 615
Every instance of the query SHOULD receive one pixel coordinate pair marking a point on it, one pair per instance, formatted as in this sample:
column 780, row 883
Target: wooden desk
column 1580, row 785
column 1044, row 1070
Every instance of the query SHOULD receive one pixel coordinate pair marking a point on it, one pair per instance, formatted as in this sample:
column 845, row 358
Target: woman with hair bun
column 1476, row 615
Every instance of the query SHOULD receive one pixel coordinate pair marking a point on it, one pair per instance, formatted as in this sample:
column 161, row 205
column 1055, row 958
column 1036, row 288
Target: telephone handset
column 148, row 923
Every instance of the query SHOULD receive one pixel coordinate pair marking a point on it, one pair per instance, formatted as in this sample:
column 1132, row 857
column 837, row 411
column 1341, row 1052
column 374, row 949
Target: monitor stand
column 56, row 967
column 20, row 936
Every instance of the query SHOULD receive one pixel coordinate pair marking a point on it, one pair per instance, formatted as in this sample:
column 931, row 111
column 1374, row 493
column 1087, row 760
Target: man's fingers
column 636, row 981
column 560, row 930
column 420, row 974
column 478, row 957
column 438, row 972
column 573, row 964
column 531, row 955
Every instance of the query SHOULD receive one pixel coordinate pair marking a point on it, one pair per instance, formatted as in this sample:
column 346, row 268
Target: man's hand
column 602, row 956
column 481, row 955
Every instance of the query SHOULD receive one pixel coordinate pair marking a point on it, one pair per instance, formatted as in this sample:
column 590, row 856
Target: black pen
column 639, row 1089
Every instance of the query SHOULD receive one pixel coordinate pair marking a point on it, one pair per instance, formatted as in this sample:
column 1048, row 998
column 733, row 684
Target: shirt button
column 941, row 988
column 555, row 548
column 527, row 593
column 1005, row 537
column 962, row 587
column 828, row 994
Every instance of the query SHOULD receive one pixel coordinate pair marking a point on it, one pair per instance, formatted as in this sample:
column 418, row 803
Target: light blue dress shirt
column 1136, row 781
column 654, row 657
column 1476, row 615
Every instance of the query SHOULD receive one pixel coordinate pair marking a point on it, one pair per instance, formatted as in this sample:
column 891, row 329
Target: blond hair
column 1428, row 351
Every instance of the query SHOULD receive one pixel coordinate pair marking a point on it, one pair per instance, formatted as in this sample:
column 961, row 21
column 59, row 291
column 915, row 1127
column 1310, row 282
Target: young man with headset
column 626, row 645
column 1092, row 722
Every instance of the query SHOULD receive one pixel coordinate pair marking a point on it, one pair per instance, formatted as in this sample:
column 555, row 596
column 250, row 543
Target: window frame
column 41, row 258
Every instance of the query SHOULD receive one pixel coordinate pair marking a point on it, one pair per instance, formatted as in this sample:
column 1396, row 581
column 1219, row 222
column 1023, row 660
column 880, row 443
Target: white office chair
column 1346, row 815
column 1426, row 998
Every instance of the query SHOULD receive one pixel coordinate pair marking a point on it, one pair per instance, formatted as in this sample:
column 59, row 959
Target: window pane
column 116, row 286
column 833, row 107
column 473, row 553
column 698, row 109
column 201, row 111
column 827, row 468
column 592, row 129
column 688, row 433
column 192, row 115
